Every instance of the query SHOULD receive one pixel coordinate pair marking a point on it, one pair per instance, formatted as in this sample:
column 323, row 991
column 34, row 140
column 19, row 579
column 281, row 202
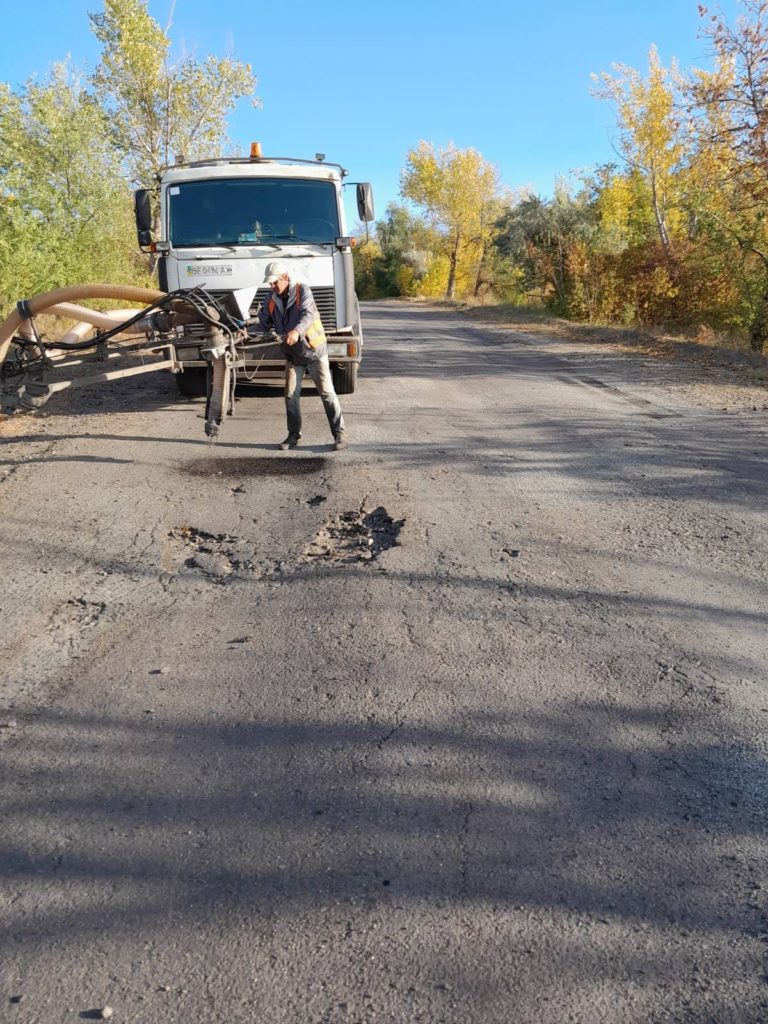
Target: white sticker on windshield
column 174, row 190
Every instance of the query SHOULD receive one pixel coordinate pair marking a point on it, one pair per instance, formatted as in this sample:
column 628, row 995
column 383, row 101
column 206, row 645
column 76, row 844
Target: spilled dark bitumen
column 290, row 466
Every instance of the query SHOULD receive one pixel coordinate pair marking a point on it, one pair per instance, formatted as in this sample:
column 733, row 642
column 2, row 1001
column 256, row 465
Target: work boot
column 340, row 441
column 290, row 442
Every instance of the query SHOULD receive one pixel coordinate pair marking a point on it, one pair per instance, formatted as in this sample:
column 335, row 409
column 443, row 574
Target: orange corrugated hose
column 40, row 303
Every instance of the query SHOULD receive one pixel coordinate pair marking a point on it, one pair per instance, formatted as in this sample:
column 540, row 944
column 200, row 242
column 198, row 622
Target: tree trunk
column 758, row 328
column 482, row 281
column 450, row 292
column 661, row 225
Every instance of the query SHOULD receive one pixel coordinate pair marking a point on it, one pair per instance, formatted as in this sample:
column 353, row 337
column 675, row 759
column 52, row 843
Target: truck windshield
column 243, row 211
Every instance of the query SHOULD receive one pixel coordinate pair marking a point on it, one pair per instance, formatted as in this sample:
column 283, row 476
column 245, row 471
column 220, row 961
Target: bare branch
column 169, row 23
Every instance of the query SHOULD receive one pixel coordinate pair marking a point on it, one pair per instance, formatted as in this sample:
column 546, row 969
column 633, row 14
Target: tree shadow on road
column 642, row 359
column 617, row 460
column 572, row 816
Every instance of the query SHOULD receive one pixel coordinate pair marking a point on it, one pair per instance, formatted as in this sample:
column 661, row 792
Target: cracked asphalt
column 504, row 763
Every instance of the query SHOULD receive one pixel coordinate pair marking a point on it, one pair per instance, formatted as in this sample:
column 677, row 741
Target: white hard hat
column 274, row 270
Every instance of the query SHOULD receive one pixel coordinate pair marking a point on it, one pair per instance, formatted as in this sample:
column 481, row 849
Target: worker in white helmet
column 291, row 312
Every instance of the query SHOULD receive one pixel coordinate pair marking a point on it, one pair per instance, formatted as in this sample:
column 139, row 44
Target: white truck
column 222, row 220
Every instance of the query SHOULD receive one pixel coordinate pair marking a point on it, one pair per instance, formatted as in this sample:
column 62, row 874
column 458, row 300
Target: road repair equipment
column 32, row 369
column 212, row 227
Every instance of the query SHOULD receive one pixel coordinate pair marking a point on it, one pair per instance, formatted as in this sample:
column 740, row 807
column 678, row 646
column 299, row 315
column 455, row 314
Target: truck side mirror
column 143, row 211
column 365, row 201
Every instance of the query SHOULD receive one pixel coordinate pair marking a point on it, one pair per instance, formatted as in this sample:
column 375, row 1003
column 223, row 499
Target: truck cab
column 221, row 221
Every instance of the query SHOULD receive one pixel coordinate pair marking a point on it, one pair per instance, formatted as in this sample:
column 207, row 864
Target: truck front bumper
column 342, row 348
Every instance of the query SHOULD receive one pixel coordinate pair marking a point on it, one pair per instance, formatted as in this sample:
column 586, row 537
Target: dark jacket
column 296, row 312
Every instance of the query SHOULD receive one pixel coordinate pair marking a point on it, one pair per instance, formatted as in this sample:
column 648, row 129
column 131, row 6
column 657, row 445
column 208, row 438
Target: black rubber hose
column 81, row 346
column 199, row 303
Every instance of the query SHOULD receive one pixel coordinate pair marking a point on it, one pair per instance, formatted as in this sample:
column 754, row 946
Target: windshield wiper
column 204, row 245
column 298, row 238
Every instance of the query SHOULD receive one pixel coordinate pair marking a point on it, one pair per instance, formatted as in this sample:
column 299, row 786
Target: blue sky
column 363, row 83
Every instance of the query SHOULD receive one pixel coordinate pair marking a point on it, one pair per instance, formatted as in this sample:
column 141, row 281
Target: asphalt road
column 464, row 724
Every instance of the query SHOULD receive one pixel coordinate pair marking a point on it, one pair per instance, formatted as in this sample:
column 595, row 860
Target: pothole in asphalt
column 218, row 555
column 350, row 537
column 254, row 467
column 357, row 536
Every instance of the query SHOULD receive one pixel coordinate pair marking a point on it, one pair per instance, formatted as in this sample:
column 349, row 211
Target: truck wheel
column 193, row 382
column 344, row 378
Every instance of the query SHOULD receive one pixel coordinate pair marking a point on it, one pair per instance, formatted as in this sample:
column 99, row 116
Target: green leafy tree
column 65, row 208
column 540, row 237
column 159, row 108
column 408, row 245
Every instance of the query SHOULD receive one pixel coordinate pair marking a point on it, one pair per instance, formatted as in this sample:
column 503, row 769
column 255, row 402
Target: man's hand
column 291, row 337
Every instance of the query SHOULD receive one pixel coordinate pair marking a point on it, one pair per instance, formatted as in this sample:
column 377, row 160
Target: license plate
column 209, row 270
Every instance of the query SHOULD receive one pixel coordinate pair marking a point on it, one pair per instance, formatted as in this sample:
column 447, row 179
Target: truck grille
column 324, row 299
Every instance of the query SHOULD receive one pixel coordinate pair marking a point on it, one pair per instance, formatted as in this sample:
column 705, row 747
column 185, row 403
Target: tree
column 732, row 98
column 367, row 258
column 541, row 236
column 159, row 109
column 650, row 132
column 457, row 189
column 729, row 105
column 65, row 214
column 407, row 247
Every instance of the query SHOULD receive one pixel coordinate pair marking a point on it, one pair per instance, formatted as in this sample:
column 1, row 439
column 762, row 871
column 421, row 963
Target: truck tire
column 193, row 382
column 344, row 378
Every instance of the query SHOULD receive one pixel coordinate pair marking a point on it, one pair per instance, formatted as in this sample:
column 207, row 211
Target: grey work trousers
column 320, row 372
